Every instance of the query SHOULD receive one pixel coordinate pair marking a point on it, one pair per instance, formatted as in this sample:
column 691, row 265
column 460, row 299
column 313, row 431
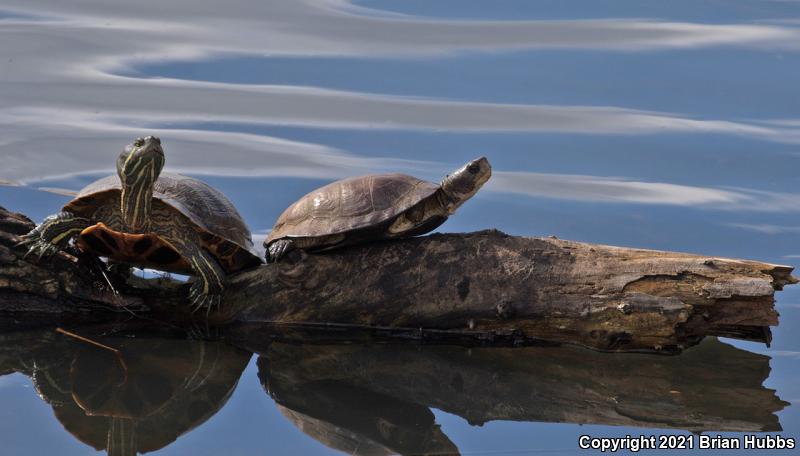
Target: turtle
column 373, row 207
column 147, row 218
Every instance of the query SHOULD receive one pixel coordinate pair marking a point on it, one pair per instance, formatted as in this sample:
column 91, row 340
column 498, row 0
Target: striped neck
column 136, row 206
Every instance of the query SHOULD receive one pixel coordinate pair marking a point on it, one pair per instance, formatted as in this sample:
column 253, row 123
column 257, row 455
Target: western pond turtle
column 367, row 208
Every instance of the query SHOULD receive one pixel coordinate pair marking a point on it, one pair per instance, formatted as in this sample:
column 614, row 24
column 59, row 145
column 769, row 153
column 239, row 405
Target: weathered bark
column 711, row 387
column 61, row 289
column 485, row 286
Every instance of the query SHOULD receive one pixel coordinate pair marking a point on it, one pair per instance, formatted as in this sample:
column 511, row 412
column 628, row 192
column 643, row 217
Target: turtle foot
column 278, row 249
column 37, row 246
column 203, row 300
column 52, row 235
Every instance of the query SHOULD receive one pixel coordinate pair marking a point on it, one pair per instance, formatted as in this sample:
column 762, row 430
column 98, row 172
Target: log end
column 782, row 276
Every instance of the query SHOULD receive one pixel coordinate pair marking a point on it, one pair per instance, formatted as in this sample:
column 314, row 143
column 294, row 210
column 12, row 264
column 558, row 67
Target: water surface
column 632, row 123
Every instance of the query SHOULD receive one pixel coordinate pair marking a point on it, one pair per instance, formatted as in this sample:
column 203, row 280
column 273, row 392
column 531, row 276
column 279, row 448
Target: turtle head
column 465, row 182
column 138, row 167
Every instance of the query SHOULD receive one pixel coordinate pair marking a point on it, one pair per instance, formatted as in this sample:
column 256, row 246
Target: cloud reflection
column 247, row 155
column 67, row 64
column 766, row 228
column 81, row 145
column 65, row 109
column 619, row 190
column 337, row 27
column 606, row 189
column 58, row 191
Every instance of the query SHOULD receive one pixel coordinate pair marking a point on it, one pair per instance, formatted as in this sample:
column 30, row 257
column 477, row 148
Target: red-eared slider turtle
column 378, row 206
column 160, row 220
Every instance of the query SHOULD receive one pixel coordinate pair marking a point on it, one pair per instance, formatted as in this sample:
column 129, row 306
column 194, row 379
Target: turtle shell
column 351, row 204
column 211, row 213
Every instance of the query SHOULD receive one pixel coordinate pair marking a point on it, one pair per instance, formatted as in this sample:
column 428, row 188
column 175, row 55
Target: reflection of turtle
column 372, row 207
column 165, row 388
column 355, row 420
column 103, row 386
column 166, row 221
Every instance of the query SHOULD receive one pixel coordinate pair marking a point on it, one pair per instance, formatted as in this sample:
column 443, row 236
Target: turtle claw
column 27, row 243
column 213, row 301
column 52, row 235
column 26, row 240
column 199, row 300
column 37, row 246
column 45, row 251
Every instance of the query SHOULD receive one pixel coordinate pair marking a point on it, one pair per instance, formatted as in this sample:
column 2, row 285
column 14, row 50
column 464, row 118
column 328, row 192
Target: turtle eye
column 139, row 142
column 473, row 168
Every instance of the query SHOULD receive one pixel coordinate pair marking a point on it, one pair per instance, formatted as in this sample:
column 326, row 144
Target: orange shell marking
column 148, row 250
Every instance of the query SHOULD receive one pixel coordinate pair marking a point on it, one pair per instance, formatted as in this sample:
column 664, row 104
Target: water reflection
column 357, row 421
column 375, row 399
column 141, row 400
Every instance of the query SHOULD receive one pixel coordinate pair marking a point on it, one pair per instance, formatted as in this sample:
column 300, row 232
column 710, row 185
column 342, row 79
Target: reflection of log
column 713, row 386
column 485, row 285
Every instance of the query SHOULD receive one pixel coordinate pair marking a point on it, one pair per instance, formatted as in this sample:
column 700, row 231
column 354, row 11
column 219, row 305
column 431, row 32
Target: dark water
column 665, row 125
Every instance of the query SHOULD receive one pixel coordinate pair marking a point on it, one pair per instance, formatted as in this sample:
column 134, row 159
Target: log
column 485, row 286
column 60, row 290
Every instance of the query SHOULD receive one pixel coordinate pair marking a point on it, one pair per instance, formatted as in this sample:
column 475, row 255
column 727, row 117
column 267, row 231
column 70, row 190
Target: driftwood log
column 485, row 286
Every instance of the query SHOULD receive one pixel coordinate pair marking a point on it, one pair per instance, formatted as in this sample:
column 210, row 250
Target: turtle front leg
column 53, row 234
column 278, row 249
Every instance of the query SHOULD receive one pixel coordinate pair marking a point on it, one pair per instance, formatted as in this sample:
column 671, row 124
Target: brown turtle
column 367, row 208
column 161, row 220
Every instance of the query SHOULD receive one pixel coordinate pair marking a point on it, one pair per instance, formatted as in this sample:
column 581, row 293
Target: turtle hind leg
column 209, row 282
column 206, row 291
column 53, row 234
column 276, row 250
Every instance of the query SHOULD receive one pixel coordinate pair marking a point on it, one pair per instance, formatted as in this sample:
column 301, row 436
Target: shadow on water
column 369, row 398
